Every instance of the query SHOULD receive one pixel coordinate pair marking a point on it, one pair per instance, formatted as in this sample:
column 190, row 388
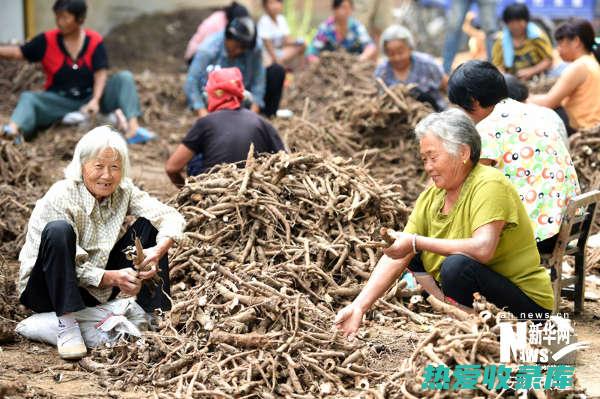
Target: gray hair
column 396, row 32
column 91, row 144
column 455, row 129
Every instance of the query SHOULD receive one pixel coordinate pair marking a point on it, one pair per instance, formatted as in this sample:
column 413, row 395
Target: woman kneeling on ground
column 468, row 232
column 73, row 257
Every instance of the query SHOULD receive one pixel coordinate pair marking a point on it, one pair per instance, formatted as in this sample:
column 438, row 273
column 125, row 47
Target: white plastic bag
column 105, row 323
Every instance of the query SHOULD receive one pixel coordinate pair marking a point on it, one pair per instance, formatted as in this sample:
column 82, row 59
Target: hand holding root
column 126, row 280
column 388, row 235
column 400, row 244
column 146, row 266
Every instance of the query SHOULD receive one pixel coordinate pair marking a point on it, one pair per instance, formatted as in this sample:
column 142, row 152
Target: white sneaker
column 70, row 342
column 74, row 118
column 284, row 113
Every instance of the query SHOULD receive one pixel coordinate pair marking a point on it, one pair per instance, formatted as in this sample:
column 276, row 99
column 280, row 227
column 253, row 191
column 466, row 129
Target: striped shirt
column 96, row 225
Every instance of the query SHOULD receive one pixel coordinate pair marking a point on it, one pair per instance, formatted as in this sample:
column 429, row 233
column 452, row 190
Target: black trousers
column 53, row 284
column 274, row 89
column 462, row 277
column 547, row 246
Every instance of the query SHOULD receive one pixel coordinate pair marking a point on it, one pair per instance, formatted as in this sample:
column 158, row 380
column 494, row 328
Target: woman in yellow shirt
column 578, row 87
column 469, row 232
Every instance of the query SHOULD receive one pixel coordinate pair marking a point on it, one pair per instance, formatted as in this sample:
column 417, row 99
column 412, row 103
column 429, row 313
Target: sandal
column 142, row 135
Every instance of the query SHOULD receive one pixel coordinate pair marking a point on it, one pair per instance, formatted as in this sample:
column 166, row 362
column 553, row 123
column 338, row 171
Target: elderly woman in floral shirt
column 73, row 257
column 342, row 31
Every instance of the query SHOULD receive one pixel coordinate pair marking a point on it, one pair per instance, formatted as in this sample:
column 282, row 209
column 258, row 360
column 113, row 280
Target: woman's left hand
column 91, row 108
column 152, row 256
column 401, row 247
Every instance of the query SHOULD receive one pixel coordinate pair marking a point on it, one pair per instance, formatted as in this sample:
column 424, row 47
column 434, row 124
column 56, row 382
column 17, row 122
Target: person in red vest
column 75, row 62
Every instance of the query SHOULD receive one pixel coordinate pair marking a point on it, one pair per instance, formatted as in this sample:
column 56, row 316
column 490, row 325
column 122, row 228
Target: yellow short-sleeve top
column 486, row 196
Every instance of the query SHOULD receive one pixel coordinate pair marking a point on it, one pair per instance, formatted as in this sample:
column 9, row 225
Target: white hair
column 92, row 144
column 397, row 32
column 455, row 129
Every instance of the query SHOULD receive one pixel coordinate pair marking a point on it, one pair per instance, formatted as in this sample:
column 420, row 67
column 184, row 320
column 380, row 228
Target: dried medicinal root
column 135, row 254
column 387, row 235
column 270, row 255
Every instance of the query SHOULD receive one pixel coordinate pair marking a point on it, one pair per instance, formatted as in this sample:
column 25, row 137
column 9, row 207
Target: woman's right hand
column 124, row 279
column 348, row 320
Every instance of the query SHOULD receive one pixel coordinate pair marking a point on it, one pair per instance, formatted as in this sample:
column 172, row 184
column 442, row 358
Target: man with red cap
column 226, row 133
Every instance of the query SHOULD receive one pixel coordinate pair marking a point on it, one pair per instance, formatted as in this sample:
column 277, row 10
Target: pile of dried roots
column 275, row 250
column 337, row 75
column 461, row 338
column 15, row 77
column 585, row 151
column 21, row 184
column 363, row 120
column 9, row 309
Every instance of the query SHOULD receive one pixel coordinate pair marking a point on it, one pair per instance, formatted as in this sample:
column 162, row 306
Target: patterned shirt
column 96, row 226
column 327, row 38
column 424, row 72
column 212, row 54
column 527, row 147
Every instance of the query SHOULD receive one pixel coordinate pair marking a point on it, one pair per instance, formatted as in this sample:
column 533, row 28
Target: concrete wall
column 12, row 21
column 105, row 14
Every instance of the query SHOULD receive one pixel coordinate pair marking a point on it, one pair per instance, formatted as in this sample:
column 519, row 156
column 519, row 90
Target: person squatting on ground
column 75, row 63
column 278, row 46
column 225, row 134
column 468, row 232
column 342, row 32
column 454, row 34
column 577, row 88
column 521, row 142
column 236, row 46
column 404, row 65
column 73, row 257
column 522, row 48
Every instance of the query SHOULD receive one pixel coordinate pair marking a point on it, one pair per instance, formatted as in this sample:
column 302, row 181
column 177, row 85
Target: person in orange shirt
column 577, row 88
